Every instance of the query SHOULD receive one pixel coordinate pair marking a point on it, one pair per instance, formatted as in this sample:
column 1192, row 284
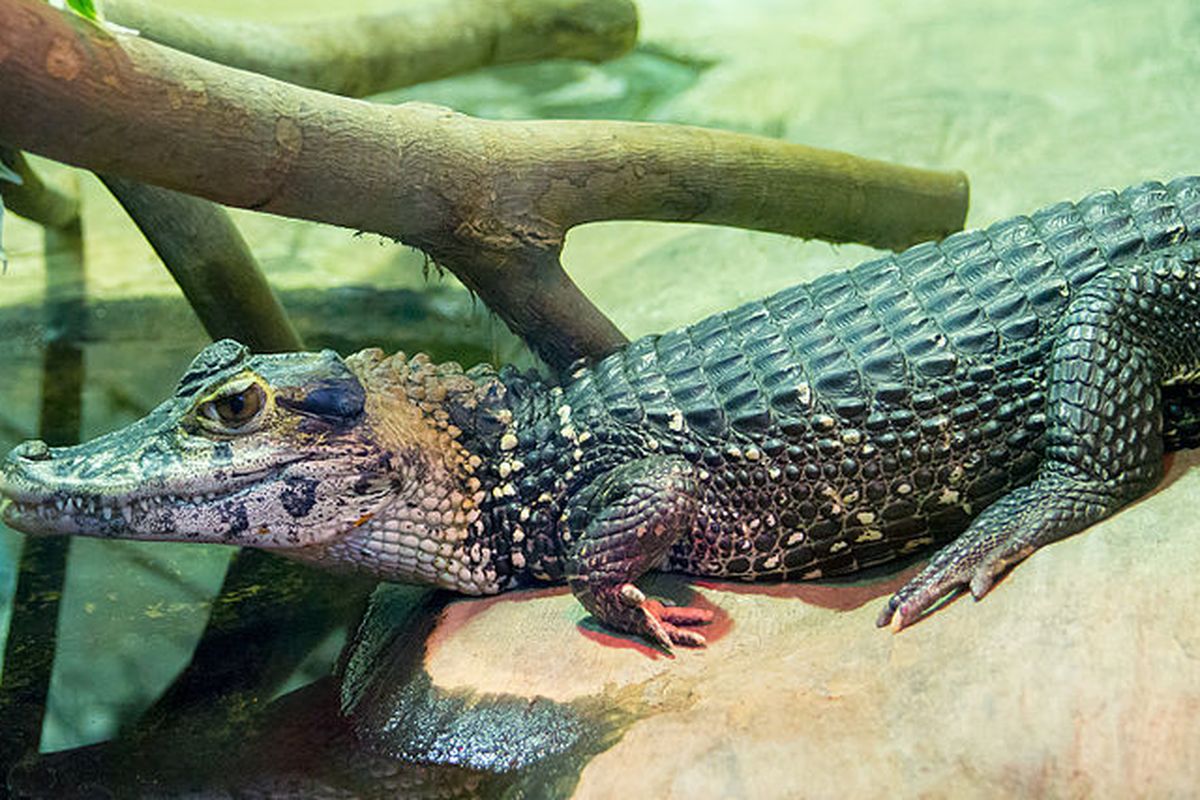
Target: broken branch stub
column 491, row 201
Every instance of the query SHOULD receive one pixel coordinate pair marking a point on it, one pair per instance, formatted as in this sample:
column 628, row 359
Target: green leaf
column 84, row 8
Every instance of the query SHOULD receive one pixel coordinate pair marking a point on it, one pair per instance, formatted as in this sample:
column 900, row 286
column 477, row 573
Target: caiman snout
column 17, row 466
column 32, row 450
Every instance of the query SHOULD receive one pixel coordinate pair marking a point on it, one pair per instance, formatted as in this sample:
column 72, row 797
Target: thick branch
column 490, row 200
column 421, row 40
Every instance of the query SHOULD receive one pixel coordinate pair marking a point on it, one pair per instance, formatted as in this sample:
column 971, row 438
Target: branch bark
column 491, row 201
column 422, row 40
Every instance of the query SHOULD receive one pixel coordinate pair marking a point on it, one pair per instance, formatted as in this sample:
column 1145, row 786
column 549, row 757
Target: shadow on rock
column 379, row 728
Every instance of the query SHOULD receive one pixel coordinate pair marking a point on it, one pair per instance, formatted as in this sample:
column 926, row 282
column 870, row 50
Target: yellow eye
column 238, row 404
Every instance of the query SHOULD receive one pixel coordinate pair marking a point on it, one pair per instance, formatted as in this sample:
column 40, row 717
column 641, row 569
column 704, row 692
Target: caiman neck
column 441, row 429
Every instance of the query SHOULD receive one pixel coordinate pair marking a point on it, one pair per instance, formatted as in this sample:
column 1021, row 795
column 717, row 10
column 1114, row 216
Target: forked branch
column 491, row 201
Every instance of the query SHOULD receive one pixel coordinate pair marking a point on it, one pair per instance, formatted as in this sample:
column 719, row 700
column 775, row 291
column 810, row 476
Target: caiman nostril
column 32, row 450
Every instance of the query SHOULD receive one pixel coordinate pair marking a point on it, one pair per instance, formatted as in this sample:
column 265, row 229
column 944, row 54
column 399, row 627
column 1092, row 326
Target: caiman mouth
column 28, row 505
column 101, row 506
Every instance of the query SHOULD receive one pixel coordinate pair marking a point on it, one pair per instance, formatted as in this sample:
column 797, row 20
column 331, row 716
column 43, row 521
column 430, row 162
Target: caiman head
column 298, row 452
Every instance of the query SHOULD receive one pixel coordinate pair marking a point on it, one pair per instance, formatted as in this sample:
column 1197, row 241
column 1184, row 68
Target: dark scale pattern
column 1130, row 330
column 1003, row 388
column 1004, row 383
column 854, row 419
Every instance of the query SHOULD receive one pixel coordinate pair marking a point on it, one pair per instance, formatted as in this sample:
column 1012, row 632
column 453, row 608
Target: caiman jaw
column 268, row 452
column 40, row 498
column 93, row 514
column 85, row 515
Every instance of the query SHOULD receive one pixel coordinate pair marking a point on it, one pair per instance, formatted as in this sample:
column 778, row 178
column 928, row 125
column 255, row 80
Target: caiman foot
column 953, row 567
column 626, row 608
column 626, row 522
column 1103, row 441
column 1007, row 532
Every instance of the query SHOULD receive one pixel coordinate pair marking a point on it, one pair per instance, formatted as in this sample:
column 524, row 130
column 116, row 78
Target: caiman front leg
column 1103, row 449
column 621, row 527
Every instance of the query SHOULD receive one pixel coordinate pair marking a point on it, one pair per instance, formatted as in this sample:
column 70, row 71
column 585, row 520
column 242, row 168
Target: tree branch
column 210, row 261
column 491, row 201
column 422, row 40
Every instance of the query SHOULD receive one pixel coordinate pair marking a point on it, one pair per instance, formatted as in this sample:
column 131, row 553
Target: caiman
column 998, row 390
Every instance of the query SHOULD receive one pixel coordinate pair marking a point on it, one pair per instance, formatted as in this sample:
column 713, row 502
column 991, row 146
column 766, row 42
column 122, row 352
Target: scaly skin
column 1001, row 389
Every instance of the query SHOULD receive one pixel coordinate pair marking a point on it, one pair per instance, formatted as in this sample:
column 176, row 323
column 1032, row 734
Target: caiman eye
column 237, row 405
